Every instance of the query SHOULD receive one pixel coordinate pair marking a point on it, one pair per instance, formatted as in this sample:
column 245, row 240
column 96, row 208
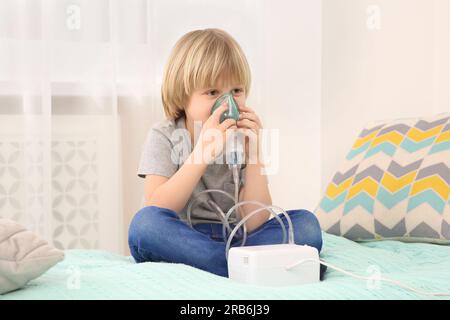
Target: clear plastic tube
column 262, row 205
column 221, row 214
column 251, row 214
column 237, row 204
column 224, row 219
column 268, row 207
column 235, row 168
column 189, row 209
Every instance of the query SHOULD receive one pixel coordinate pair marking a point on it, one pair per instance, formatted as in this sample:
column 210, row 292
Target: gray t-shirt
column 166, row 148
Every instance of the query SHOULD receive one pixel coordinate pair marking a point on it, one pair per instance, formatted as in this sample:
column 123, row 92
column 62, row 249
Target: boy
column 202, row 66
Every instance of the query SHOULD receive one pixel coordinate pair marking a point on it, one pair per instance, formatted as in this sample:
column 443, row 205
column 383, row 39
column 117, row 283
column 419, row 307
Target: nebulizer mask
column 235, row 146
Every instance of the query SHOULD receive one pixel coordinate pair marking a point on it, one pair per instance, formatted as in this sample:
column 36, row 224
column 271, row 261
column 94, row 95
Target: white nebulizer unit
column 263, row 264
column 266, row 264
column 283, row 264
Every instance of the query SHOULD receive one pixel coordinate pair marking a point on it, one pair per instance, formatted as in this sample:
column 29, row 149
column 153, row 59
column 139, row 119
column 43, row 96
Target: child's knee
column 146, row 221
column 307, row 228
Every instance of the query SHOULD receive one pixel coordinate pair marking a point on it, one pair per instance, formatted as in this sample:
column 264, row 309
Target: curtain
column 63, row 67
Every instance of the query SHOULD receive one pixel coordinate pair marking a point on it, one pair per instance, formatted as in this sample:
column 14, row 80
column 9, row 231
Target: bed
column 104, row 275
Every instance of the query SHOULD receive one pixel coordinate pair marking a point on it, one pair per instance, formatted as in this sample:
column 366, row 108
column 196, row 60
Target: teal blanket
column 91, row 274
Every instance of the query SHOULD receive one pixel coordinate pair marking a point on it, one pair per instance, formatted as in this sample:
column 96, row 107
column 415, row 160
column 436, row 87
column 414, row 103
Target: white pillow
column 23, row 255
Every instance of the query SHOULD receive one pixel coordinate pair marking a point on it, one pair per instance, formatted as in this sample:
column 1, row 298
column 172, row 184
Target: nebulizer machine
column 284, row 264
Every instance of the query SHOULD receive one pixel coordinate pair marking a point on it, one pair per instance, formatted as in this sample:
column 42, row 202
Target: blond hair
column 198, row 60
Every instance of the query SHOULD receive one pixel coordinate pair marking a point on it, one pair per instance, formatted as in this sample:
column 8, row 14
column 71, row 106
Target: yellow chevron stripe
column 418, row 135
column 393, row 136
column 434, row 182
column 333, row 190
column 359, row 142
column 367, row 184
column 443, row 137
column 394, row 184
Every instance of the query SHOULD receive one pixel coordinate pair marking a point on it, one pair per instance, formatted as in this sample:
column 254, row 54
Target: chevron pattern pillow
column 393, row 184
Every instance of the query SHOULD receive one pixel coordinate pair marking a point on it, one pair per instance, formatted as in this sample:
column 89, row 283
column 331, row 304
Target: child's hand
column 212, row 137
column 249, row 120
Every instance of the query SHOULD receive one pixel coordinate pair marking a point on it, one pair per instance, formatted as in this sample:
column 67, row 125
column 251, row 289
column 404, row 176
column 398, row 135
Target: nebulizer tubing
column 236, row 156
column 263, row 206
column 225, row 218
column 219, row 211
column 238, row 204
column 196, row 198
column 251, row 214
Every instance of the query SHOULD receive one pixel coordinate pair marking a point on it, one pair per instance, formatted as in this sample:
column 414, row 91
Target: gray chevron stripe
column 399, row 171
column 399, row 230
column 373, row 171
column 439, row 168
column 425, row 125
column 341, row 177
column 423, row 230
column 335, row 229
column 366, row 132
column 445, row 230
column 401, row 127
column 446, row 128
column 358, row 232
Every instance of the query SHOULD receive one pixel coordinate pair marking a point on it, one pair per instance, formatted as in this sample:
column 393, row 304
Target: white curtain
column 64, row 65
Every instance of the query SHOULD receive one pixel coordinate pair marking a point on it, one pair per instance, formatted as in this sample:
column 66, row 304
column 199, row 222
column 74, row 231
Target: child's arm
column 174, row 192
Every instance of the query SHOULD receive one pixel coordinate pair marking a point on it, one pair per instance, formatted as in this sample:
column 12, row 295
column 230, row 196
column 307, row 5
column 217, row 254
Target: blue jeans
column 159, row 235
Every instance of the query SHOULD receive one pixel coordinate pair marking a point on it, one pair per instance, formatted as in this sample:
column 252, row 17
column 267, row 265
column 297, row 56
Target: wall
column 382, row 59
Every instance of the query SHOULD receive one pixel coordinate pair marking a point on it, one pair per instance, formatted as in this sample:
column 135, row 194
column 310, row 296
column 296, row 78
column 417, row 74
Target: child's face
column 202, row 100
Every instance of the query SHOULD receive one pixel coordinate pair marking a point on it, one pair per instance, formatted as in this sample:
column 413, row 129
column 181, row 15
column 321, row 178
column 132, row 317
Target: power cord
column 396, row 282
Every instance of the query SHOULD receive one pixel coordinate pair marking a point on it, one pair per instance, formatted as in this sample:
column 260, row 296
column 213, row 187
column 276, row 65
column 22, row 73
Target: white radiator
column 63, row 183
